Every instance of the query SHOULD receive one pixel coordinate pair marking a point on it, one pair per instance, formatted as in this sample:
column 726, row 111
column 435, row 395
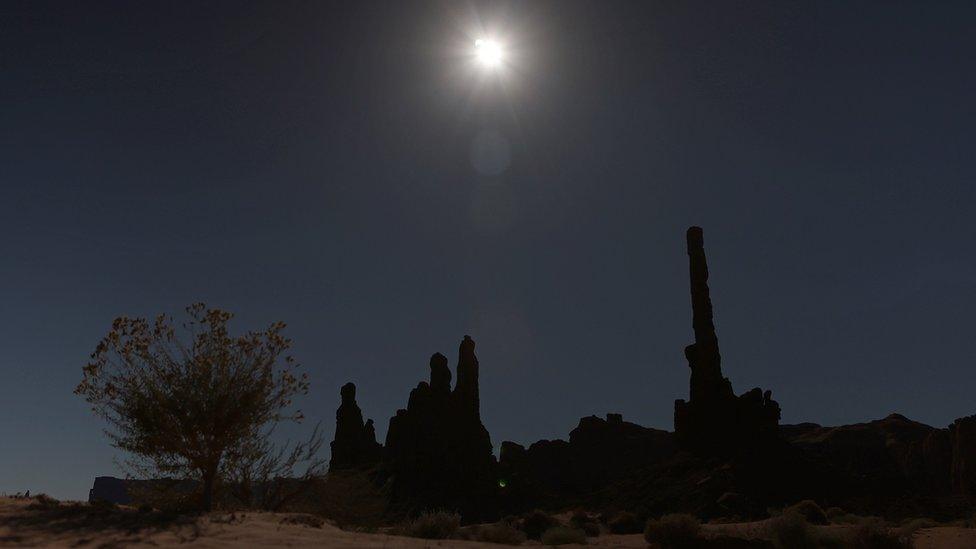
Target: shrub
column 674, row 531
column 809, row 510
column 535, row 523
column 311, row 521
column 43, row 502
column 873, row 534
column 500, row 532
column 563, row 535
column 349, row 498
column 792, row 531
column 158, row 388
column 434, row 525
column 102, row 506
column 834, row 513
column 624, row 523
column 582, row 521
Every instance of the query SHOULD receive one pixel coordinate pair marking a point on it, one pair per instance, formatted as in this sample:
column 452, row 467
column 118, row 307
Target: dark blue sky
column 317, row 163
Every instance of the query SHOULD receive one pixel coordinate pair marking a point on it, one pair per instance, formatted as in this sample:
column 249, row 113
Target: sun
column 489, row 53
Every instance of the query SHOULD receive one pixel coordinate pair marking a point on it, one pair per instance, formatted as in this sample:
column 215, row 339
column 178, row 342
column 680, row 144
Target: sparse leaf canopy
column 185, row 402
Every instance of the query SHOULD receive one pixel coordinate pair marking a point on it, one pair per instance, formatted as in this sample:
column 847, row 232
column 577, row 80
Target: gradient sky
column 343, row 168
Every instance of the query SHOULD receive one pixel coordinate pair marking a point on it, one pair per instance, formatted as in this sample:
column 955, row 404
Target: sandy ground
column 65, row 526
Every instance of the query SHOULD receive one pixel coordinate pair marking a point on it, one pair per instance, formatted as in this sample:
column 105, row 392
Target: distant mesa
column 109, row 489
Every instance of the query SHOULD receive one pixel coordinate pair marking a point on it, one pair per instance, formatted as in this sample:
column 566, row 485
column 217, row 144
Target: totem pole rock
column 714, row 420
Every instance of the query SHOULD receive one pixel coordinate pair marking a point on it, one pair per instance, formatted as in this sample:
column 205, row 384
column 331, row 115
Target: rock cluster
column 714, row 420
column 437, row 450
column 355, row 443
column 739, row 459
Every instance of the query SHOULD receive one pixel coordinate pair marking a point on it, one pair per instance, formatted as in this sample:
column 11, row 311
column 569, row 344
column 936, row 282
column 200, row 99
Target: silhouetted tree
column 193, row 405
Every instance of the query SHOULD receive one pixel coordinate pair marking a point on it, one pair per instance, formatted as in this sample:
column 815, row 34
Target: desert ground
column 23, row 523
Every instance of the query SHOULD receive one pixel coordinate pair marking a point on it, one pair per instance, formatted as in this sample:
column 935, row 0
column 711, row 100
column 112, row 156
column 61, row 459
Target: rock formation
column 714, row 420
column 962, row 434
column 599, row 452
column 355, row 442
column 110, row 489
column 739, row 460
column 437, row 450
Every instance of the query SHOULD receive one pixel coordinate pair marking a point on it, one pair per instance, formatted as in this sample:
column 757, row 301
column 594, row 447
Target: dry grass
column 433, row 525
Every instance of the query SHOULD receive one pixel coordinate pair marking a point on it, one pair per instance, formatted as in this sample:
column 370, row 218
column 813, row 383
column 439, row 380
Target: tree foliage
column 265, row 476
column 194, row 403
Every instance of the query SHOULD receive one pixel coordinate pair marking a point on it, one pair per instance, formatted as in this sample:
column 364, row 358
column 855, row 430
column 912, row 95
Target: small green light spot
column 502, row 483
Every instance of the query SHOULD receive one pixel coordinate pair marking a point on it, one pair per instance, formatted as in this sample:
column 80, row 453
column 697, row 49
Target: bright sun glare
column 488, row 52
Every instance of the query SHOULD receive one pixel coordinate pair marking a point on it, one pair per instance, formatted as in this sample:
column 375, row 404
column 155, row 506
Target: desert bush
column 181, row 497
column 809, row 510
column 103, row 506
column 792, row 531
column 158, row 388
column 43, row 502
column 591, row 529
column 874, row 534
column 264, row 475
column 434, row 525
column 833, row 512
column 674, row 531
column 624, row 523
column 501, row 533
column 563, row 535
column 302, row 519
column 582, row 521
column 352, row 499
column 535, row 523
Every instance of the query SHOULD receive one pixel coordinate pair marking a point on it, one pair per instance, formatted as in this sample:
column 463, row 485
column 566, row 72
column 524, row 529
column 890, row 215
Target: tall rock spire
column 714, row 420
column 466, row 390
column 703, row 355
column 440, row 374
column 701, row 301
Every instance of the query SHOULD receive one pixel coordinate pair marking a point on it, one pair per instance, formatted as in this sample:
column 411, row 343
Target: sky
column 348, row 169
